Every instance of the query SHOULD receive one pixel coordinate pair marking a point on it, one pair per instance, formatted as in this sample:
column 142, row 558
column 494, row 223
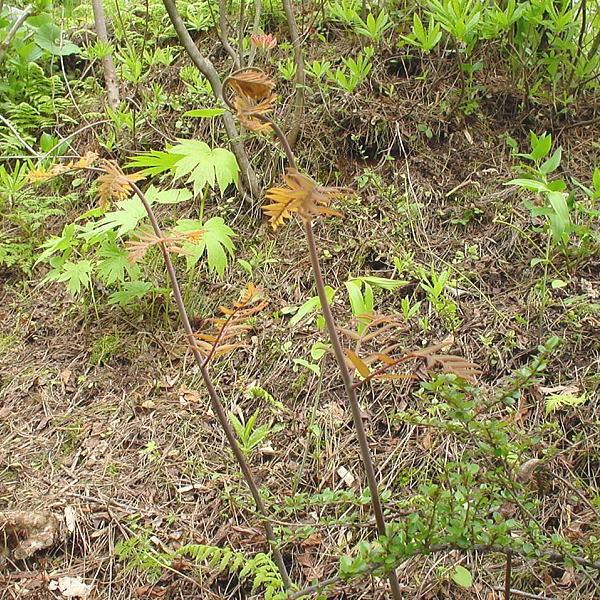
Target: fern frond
column 260, row 568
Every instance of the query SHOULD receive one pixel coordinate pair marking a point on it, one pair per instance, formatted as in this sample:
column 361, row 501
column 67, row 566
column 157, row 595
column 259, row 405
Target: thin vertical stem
column 215, row 401
column 300, row 78
column 507, row 576
column 351, row 393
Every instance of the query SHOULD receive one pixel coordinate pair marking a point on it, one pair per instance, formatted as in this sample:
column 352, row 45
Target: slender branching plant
column 253, row 101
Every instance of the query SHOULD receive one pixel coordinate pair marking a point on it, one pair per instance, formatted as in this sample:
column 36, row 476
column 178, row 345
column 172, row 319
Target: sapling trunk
column 215, row 401
column 208, row 70
column 110, row 73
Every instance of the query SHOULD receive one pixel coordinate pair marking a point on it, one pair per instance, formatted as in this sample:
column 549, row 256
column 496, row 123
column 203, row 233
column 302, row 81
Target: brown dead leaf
column 252, row 83
column 26, row 532
column 150, row 591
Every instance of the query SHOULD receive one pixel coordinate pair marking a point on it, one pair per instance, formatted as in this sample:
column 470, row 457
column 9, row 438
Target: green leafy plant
column 556, row 204
column 424, row 39
column 249, row 434
column 355, row 71
column 374, row 28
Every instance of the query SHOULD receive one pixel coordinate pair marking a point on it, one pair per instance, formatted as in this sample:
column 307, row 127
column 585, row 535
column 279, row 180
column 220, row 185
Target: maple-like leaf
column 303, row 195
column 154, row 162
column 130, row 291
column 114, row 262
column 123, row 220
column 114, row 184
column 204, row 165
column 77, row 275
column 215, row 242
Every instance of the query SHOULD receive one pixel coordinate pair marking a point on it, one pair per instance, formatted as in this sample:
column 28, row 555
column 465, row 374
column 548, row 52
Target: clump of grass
column 104, row 349
column 7, row 341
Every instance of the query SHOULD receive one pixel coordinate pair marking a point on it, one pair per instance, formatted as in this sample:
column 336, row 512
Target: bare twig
column 25, row 13
column 300, row 79
column 110, row 74
column 208, row 70
column 215, row 401
column 224, row 34
column 522, row 594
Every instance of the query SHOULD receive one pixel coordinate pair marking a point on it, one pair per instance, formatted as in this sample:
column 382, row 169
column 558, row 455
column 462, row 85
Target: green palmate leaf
column 173, row 196
column 77, row 275
column 154, row 162
column 462, row 576
column 204, row 112
column 130, row 212
column 130, row 292
column 59, row 243
column 203, row 165
column 115, row 262
column 216, row 243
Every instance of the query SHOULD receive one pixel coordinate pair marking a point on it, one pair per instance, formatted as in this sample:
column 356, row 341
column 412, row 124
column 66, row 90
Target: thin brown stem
column 507, row 576
column 351, row 393
column 341, row 361
column 300, row 78
column 215, row 401
column 224, row 34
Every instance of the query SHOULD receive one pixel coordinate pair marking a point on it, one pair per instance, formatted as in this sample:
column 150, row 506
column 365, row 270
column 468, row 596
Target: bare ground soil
column 126, row 442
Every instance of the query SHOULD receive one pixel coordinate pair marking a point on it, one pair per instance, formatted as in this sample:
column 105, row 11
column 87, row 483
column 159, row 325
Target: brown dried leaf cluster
column 303, row 195
column 114, row 184
column 83, row 162
column 382, row 363
column 252, row 83
column 145, row 239
column 253, row 98
column 226, row 331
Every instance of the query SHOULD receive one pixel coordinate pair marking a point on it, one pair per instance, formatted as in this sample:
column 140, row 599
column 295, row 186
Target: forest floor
column 103, row 413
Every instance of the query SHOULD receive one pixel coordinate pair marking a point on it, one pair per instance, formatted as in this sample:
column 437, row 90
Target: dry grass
column 130, row 445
